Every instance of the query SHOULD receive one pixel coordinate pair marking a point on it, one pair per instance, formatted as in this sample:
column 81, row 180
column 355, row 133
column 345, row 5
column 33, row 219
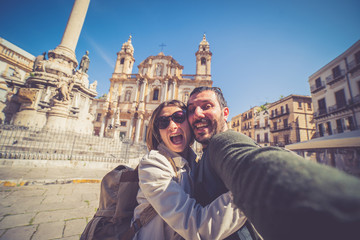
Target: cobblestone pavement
column 47, row 203
column 56, row 211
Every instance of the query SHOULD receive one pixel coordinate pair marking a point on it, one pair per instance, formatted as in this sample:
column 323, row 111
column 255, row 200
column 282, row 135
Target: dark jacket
column 284, row 195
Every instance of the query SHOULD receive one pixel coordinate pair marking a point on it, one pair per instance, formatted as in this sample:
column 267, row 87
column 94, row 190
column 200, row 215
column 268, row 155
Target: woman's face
column 176, row 136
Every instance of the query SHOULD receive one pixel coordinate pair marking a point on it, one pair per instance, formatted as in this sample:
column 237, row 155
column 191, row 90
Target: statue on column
column 84, row 64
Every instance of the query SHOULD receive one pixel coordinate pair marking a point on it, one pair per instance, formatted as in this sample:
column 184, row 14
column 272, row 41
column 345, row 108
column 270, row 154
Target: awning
column 342, row 140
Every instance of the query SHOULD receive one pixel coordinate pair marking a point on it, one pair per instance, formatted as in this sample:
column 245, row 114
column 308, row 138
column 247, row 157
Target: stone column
column 73, row 28
column 173, row 90
column 164, row 91
column 137, row 129
column 102, row 126
column 131, row 127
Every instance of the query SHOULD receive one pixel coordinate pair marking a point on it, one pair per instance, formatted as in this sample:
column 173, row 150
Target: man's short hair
column 216, row 90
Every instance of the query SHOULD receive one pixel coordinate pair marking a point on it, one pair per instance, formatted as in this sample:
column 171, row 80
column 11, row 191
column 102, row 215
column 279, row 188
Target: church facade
column 126, row 111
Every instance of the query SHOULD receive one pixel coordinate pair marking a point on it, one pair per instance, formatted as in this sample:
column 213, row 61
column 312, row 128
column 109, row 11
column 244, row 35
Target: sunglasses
column 178, row 117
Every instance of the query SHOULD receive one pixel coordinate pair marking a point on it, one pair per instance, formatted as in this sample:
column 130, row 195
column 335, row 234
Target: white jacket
column 170, row 196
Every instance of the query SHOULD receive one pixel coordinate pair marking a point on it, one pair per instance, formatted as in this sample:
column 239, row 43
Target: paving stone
column 53, row 199
column 74, row 227
column 16, row 220
column 22, row 233
column 49, row 231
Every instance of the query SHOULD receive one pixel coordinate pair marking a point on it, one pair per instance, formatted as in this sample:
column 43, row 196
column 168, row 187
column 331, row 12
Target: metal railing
column 19, row 142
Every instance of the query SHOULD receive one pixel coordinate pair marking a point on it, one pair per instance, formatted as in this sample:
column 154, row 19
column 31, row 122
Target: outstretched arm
column 192, row 221
column 284, row 195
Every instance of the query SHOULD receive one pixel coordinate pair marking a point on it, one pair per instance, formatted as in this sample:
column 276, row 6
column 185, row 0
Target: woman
column 165, row 184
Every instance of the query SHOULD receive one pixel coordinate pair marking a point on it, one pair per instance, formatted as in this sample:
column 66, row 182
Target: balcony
column 355, row 100
column 316, row 87
column 286, row 112
column 279, row 128
column 337, row 107
column 335, row 78
column 353, row 66
column 320, row 113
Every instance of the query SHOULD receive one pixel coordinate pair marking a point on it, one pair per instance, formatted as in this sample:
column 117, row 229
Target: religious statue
column 93, row 85
column 64, row 89
column 38, row 61
column 84, row 64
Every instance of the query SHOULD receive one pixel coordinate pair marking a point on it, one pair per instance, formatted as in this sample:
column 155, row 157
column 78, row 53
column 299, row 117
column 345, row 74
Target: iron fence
column 20, row 142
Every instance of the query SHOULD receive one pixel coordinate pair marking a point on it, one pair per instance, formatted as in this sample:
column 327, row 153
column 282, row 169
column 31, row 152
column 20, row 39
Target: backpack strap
column 145, row 217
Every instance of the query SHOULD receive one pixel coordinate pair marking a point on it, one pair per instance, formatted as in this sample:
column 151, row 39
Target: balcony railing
column 353, row 66
column 337, row 107
column 280, row 128
column 286, row 112
column 316, row 87
column 320, row 112
column 334, row 78
column 355, row 100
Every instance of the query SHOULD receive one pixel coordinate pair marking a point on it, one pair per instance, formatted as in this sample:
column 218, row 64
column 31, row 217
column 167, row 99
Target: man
column 284, row 195
column 207, row 115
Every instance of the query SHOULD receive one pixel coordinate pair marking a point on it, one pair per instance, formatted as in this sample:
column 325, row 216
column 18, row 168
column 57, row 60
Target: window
column 340, row 98
column 350, row 123
column 203, row 61
column 98, row 117
column 322, row 105
column 336, row 71
column 285, row 123
column 266, row 122
column 156, row 94
column 309, row 105
column 321, row 130
column 122, row 135
column 328, row 128
column 299, row 105
column 123, row 124
column 266, row 137
column 275, row 139
column 275, row 125
column 258, row 138
column 122, row 60
column 287, row 139
column 276, row 112
column 339, row 126
column 282, row 109
column 357, row 57
column 318, row 82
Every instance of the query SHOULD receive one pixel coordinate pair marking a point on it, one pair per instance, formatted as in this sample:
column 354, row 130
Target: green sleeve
column 284, row 195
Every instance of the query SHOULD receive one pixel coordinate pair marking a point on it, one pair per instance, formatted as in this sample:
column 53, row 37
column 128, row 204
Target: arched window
column 156, row 94
column 203, row 61
column 122, row 60
column 186, row 97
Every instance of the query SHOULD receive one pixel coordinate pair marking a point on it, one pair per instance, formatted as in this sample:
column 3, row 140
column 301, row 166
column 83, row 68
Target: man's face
column 205, row 116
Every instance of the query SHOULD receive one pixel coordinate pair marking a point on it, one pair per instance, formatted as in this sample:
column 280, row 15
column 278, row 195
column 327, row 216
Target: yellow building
column 132, row 97
column 291, row 120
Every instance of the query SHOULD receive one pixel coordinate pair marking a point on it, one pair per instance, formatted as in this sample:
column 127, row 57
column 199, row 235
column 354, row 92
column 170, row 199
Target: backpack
column 112, row 220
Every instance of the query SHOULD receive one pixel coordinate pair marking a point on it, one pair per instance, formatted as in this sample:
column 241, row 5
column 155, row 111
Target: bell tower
column 125, row 58
column 203, row 59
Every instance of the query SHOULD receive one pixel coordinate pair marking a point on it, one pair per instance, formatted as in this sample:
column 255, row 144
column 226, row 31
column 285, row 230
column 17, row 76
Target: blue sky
column 261, row 49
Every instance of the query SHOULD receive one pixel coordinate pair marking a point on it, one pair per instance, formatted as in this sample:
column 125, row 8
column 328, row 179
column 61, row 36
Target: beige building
column 15, row 66
column 335, row 90
column 248, row 122
column 235, row 123
column 132, row 97
column 262, row 126
column 291, row 120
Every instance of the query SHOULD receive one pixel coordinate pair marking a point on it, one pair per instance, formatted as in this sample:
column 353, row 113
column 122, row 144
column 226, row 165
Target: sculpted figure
column 93, row 85
column 64, row 88
column 38, row 61
column 84, row 64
